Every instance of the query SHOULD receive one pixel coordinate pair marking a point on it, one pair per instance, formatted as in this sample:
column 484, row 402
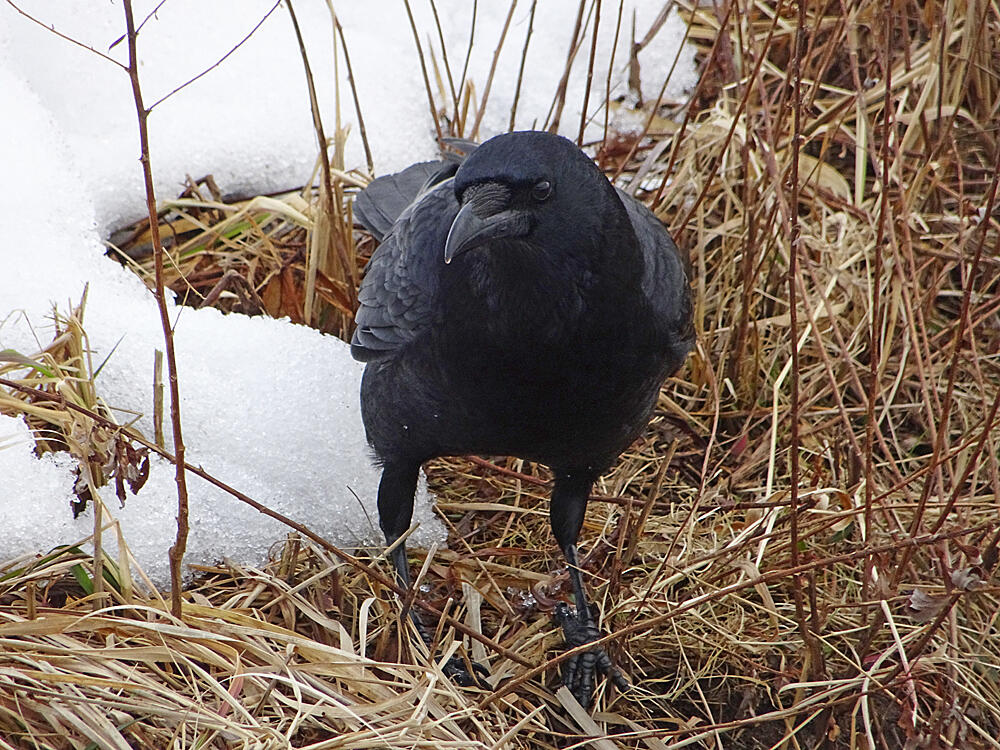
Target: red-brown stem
column 611, row 68
column 180, row 543
column 520, row 70
column 737, row 118
column 468, row 56
column 590, row 74
column 964, row 324
column 423, row 71
column 795, row 239
column 720, row 593
column 656, row 108
column 555, row 109
column 444, row 55
column 493, row 69
column 357, row 102
column 957, row 345
column 875, row 349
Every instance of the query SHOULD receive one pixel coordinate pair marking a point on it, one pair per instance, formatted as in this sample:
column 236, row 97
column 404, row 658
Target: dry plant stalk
column 834, row 179
column 142, row 114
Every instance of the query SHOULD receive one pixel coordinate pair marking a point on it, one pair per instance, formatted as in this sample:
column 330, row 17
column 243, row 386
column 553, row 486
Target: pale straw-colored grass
column 858, row 611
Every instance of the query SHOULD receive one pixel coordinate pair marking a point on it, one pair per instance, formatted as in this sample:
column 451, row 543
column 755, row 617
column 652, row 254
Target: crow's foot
column 466, row 672
column 580, row 671
column 460, row 670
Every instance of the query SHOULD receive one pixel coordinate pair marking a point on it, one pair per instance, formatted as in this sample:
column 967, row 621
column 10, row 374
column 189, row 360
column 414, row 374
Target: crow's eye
column 541, row 190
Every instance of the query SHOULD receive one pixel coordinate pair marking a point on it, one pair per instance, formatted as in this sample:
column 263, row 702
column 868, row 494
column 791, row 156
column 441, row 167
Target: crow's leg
column 395, row 511
column 569, row 503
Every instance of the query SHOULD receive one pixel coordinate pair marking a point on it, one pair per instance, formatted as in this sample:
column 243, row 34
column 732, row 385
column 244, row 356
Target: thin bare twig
column 423, row 71
column 180, row 542
column 354, row 92
column 444, row 55
column 218, row 62
column 149, row 15
column 468, row 56
column 555, row 109
column 520, row 70
column 71, row 40
column 688, row 110
column 611, row 68
column 794, row 248
column 590, row 73
column 493, row 69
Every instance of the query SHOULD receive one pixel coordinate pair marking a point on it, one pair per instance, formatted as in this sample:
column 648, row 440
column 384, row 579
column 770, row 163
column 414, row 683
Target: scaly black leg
column 395, row 511
column 569, row 503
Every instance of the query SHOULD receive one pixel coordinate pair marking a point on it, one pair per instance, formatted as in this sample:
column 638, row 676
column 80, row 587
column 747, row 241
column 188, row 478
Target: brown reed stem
column 176, row 553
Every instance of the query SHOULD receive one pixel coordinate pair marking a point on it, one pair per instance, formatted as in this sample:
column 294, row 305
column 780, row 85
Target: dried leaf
column 923, row 607
column 135, row 483
column 967, row 579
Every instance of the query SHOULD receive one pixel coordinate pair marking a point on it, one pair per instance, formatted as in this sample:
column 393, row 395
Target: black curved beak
column 470, row 230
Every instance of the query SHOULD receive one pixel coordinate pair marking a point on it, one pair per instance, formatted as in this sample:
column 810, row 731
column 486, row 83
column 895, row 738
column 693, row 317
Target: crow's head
column 531, row 186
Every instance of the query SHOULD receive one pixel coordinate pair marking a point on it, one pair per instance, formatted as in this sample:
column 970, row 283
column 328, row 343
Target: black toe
column 466, row 673
column 581, row 670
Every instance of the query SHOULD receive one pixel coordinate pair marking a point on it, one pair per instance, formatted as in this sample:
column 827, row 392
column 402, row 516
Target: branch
column 218, row 62
column 180, row 543
column 750, row 582
column 71, row 40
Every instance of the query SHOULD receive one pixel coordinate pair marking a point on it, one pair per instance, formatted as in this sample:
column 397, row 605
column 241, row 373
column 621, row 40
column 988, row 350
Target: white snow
column 267, row 406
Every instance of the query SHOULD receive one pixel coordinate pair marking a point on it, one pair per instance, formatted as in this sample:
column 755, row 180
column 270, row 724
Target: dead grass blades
column 834, row 178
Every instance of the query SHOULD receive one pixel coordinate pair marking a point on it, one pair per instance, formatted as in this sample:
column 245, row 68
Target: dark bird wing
column 665, row 279
column 401, row 280
column 379, row 205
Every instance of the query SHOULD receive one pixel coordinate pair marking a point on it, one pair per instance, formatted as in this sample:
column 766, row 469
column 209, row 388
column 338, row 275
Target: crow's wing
column 379, row 205
column 664, row 280
column 397, row 295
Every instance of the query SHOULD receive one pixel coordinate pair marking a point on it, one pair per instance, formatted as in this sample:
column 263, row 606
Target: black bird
column 520, row 305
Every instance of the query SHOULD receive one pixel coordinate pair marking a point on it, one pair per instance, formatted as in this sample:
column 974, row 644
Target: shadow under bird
column 517, row 304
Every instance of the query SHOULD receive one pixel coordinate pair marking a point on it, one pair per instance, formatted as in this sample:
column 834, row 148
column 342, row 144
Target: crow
column 517, row 304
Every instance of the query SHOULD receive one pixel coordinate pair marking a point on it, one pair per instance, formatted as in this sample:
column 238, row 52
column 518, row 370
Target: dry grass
column 799, row 553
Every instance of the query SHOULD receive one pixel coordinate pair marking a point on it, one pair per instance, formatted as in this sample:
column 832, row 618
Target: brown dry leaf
column 923, row 607
column 967, row 579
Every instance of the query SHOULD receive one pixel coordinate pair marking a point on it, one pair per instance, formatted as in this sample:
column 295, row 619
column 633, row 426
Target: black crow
column 517, row 304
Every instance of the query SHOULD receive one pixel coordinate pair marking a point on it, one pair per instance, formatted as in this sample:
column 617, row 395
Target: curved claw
column 466, row 673
column 580, row 670
column 462, row 671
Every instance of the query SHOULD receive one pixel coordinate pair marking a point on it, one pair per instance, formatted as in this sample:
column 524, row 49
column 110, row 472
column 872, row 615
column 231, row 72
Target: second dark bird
column 523, row 306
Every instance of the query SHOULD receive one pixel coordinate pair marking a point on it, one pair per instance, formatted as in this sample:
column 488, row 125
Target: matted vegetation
column 800, row 551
